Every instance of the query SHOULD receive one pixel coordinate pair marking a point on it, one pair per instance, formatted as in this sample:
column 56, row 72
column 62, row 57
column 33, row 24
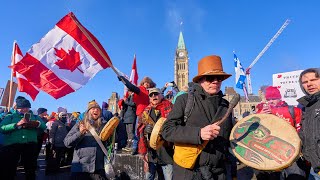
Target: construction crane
column 285, row 24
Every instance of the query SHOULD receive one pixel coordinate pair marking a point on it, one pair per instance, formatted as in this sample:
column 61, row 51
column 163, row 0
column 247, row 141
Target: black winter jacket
column 310, row 131
column 129, row 116
column 57, row 133
column 207, row 110
column 87, row 156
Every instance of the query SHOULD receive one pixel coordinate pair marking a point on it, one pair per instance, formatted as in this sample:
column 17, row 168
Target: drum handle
column 234, row 101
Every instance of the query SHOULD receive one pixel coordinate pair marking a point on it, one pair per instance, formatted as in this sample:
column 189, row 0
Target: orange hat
column 210, row 65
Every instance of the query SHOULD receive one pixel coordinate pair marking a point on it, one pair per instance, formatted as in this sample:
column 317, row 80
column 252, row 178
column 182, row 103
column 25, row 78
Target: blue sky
column 151, row 29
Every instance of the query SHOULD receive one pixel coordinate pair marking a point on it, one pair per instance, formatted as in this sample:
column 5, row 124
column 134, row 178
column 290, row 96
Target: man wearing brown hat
column 198, row 124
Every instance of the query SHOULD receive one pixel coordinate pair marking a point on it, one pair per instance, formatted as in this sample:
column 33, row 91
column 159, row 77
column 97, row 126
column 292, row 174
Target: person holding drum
column 198, row 125
column 88, row 157
column 161, row 158
column 310, row 134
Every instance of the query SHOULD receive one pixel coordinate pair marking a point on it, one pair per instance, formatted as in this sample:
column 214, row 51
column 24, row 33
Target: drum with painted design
column 265, row 142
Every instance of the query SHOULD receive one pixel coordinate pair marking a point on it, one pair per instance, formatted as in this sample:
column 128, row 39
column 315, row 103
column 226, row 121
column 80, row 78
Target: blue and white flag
column 240, row 75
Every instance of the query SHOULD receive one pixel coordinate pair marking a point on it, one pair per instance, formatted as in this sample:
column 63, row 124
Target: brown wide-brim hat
column 210, row 65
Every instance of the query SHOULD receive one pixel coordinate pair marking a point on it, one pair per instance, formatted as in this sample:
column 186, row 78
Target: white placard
column 288, row 84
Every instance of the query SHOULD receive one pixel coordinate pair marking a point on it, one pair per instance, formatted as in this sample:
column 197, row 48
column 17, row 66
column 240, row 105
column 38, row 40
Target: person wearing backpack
column 192, row 121
column 274, row 105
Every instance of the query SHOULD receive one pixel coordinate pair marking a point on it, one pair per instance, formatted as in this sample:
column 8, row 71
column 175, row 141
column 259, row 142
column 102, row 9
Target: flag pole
column 95, row 45
column 11, row 77
column 245, row 92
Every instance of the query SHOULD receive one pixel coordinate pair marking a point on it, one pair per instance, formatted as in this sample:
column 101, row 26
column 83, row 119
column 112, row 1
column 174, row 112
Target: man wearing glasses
column 156, row 160
column 199, row 125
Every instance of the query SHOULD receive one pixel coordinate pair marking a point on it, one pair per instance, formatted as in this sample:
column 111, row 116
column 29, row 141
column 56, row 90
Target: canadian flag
column 64, row 60
column 133, row 76
column 134, row 72
column 23, row 84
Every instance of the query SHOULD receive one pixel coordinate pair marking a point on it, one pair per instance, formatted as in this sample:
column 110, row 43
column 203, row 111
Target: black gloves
column 148, row 129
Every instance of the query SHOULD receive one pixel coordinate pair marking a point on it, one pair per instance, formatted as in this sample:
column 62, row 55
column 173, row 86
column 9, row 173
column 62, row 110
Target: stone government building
column 181, row 64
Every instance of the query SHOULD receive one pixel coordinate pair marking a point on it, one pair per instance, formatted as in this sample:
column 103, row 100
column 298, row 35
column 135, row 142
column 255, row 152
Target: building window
column 182, row 79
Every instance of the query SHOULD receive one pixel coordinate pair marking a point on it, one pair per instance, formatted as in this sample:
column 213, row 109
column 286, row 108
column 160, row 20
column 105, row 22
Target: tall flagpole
column 11, row 77
column 245, row 92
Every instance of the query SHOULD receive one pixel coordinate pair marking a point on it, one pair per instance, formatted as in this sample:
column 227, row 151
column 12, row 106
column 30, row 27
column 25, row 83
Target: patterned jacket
column 164, row 107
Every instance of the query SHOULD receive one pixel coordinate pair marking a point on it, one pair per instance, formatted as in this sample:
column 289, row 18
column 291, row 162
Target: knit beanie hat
column 61, row 109
column 22, row 102
column 75, row 115
column 93, row 104
column 41, row 110
column 272, row 93
column 105, row 105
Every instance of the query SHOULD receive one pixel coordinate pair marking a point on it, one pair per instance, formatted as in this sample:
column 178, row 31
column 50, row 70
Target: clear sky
column 150, row 28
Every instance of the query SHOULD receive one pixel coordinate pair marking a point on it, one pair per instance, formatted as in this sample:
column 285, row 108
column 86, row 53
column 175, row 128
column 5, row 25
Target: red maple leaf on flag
column 69, row 61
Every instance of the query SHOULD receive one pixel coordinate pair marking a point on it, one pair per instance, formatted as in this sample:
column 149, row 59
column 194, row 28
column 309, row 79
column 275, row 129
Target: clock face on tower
column 181, row 54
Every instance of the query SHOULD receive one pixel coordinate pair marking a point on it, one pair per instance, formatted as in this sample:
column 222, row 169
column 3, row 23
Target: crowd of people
column 190, row 119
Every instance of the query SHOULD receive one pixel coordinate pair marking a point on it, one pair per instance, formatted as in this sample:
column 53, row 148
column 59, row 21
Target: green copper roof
column 181, row 42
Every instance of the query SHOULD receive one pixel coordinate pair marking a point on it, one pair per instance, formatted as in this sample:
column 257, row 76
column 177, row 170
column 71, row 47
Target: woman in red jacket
column 274, row 105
